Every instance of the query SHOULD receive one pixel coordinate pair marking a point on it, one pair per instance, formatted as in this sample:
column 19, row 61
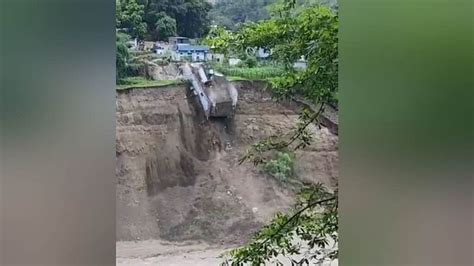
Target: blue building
column 193, row 53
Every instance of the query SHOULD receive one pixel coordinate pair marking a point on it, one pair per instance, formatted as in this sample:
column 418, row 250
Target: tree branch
column 284, row 144
column 295, row 216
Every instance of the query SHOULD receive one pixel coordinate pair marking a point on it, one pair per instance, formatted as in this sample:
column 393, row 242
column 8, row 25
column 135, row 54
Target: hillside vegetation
column 231, row 14
column 159, row 19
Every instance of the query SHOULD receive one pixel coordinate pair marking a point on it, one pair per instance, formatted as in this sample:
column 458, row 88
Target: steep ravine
column 178, row 176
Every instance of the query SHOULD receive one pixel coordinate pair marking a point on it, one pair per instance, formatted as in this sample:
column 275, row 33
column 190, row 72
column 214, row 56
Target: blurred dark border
column 406, row 132
column 57, row 186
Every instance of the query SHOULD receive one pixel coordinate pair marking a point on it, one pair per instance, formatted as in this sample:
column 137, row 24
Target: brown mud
column 178, row 177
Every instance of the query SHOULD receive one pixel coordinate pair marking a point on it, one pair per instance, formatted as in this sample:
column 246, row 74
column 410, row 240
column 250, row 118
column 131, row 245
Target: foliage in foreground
column 311, row 34
column 308, row 235
column 305, row 236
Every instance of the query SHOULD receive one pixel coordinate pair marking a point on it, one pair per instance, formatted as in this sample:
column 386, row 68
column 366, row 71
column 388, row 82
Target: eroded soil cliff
column 178, row 175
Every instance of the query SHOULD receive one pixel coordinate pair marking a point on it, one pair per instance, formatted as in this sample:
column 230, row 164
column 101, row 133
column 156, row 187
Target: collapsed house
column 216, row 95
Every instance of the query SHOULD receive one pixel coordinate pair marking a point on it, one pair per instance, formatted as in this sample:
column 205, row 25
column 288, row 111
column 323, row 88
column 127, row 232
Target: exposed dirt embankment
column 162, row 71
column 178, row 177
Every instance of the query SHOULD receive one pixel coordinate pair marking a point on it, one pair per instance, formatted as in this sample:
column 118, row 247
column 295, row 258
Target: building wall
column 262, row 53
column 199, row 56
column 234, row 61
column 300, row 64
column 174, row 41
column 215, row 57
column 195, row 56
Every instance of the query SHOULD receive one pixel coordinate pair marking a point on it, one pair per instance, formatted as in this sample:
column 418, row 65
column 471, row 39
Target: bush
column 281, row 167
column 251, row 62
column 247, row 61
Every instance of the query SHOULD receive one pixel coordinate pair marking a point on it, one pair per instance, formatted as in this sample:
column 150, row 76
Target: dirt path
column 154, row 252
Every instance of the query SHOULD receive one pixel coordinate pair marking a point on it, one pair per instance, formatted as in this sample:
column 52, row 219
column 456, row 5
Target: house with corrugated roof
column 193, row 53
column 174, row 41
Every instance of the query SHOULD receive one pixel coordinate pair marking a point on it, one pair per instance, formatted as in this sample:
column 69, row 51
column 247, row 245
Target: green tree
column 122, row 55
column 311, row 34
column 191, row 16
column 220, row 40
column 290, row 34
column 194, row 22
column 131, row 17
column 118, row 13
column 232, row 13
column 250, row 61
column 165, row 26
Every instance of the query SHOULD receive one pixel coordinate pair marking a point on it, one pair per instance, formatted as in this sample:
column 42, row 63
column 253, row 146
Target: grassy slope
column 243, row 73
column 140, row 82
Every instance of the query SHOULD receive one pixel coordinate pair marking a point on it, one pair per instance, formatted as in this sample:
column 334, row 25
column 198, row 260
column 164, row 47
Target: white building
column 263, row 53
column 234, row 61
column 215, row 57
